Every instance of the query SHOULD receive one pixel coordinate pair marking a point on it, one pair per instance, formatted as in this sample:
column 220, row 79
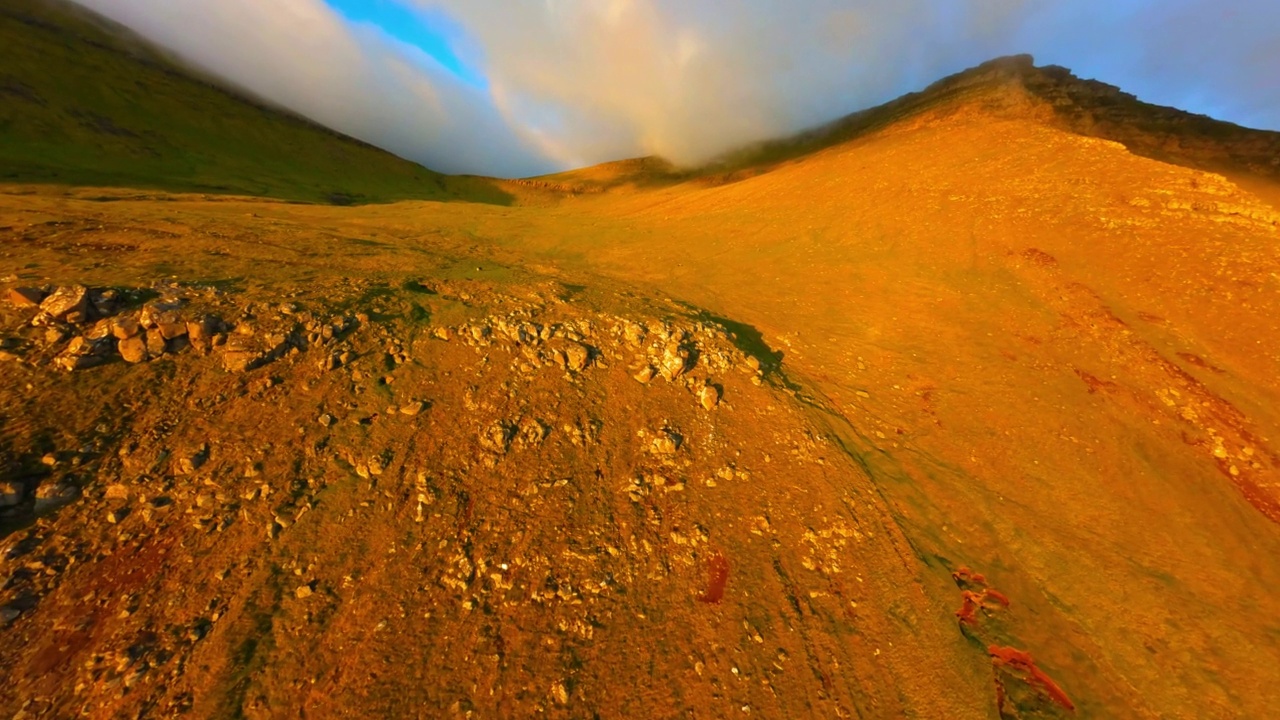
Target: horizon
column 478, row 88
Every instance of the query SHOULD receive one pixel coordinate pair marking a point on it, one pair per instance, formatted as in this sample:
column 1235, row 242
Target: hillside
column 84, row 103
column 962, row 413
column 1012, row 87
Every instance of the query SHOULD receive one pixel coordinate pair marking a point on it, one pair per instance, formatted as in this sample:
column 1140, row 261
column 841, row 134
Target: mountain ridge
column 1006, row 86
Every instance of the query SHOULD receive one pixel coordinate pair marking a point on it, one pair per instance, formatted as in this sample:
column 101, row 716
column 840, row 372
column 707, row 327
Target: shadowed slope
column 84, row 103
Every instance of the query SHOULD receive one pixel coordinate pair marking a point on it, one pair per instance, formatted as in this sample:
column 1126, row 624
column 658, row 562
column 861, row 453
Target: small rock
column 666, row 443
column 326, row 420
column 11, row 494
column 303, row 592
column 240, row 360
column 412, row 408
column 577, row 357
column 675, row 361
column 117, row 491
column 645, row 375
column 115, row 516
column 709, row 396
column 49, row 496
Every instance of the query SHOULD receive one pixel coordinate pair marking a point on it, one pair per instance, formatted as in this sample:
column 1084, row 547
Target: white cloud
column 574, row 82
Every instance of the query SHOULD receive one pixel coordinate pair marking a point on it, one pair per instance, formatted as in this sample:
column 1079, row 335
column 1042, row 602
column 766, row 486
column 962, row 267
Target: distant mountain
column 1009, row 86
column 85, row 102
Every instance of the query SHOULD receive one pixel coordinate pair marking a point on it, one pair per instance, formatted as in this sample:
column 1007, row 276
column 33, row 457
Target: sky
column 515, row 88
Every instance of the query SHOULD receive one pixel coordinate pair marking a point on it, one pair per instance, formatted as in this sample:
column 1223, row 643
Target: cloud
column 355, row 78
column 574, row 82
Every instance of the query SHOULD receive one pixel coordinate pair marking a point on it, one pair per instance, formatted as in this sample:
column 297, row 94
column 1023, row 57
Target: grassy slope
column 80, row 105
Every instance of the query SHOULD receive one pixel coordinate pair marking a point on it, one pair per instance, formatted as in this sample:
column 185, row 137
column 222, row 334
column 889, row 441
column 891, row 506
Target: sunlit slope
column 1060, row 360
column 82, row 104
column 1012, row 87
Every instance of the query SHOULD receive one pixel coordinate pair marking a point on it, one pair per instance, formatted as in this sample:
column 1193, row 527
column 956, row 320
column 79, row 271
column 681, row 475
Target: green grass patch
column 84, row 104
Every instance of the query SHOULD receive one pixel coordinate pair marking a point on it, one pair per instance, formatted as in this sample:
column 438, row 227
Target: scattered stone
column 11, row 494
column 67, row 304
column 709, row 396
column 115, row 516
column 326, row 420
column 26, row 297
column 560, row 693
column 104, row 302
column 240, row 355
column 645, row 375
column 50, row 496
column 675, row 361
column 304, row 591
column 577, row 357
column 497, row 437
column 666, row 443
column 412, row 408
column 201, row 332
column 117, row 491
column 634, row 333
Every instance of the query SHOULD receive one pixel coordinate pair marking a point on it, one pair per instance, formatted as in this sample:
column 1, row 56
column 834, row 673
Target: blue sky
column 430, row 30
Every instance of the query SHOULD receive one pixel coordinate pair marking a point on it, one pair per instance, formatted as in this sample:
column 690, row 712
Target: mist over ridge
column 572, row 82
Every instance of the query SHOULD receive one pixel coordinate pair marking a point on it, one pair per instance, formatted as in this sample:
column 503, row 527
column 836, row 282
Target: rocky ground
column 340, row 501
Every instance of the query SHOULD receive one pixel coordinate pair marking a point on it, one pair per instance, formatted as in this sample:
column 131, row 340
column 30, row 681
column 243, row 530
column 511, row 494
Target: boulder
column 67, row 304
column 157, row 312
column 200, row 332
column 155, row 344
column 125, row 327
column 134, row 349
column 172, row 328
